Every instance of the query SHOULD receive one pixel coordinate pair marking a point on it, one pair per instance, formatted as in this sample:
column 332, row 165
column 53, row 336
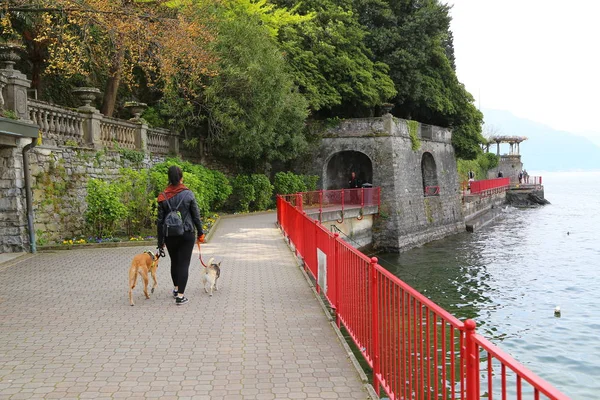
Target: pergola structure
column 514, row 141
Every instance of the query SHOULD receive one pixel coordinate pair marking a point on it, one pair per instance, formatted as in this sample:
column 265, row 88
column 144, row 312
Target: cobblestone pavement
column 67, row 330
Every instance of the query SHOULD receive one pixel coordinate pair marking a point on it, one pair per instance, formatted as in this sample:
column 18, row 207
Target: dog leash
column 200, row 256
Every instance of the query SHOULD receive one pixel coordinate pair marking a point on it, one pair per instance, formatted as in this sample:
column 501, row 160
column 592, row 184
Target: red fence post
column 313, row 249
column 472, row 358
column 337, row 276
column 320, row 206
column 375, row 324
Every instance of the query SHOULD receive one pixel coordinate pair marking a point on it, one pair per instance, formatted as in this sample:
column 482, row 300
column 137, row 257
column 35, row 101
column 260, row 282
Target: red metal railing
column 532, row 180
column 340, row 200
column 490, row 186
column 431, row 190
column 417, row 349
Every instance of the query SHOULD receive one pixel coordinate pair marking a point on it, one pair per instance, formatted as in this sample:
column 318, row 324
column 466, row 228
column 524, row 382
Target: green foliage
column 413, row 128
column 104, row 208
column 211, row 188
column 152, row 116
column 271, row 16
column 330, row 62
column 310, row 181
column 243, row 193
column 263, row 192
column 251, row 193
column 488, row 161
column 413, row 38
column 288, row 182
column 10, row 114
column 134, row 156
column 250, row 111
column 138, row 197
column 484, row 163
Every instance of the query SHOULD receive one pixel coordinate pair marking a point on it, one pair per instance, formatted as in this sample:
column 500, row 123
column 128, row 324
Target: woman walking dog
column 177, row 215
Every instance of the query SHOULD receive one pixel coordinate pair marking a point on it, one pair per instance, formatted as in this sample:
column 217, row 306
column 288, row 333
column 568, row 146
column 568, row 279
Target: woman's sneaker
column 181, row 300
column 175, row 293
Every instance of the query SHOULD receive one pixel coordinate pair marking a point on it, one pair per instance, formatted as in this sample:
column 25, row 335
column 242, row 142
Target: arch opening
column 429, row 174
column 342, row 164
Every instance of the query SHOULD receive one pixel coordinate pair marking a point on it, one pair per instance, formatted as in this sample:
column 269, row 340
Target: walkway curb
column 361, row 373
column 16, row 260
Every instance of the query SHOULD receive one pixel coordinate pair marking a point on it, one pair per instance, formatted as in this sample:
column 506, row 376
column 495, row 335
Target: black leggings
column 180, row 250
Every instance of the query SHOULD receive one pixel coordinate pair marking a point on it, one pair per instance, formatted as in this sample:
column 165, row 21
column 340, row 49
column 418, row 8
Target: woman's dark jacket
column 190, row 215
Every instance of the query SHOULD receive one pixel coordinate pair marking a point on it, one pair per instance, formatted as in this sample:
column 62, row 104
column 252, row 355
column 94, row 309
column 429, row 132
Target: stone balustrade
column 58, row 125
column 115, row 131
column 62, row 126
column 160, row 141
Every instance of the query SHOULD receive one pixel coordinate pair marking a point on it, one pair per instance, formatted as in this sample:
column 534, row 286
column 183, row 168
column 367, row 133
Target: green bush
column 310, row 181
column 481, row 165
column 288, row 182
column 243, row 193
column 138, row 197
column 211, row 188
column 263, row 192
column 104, row 208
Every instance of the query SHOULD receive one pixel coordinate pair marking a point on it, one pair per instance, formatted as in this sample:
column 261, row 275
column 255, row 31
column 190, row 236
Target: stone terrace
column 67, row 330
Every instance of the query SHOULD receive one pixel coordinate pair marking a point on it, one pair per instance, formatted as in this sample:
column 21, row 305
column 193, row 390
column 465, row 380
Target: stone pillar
column 174, row 145
column 91, row 128
column 141, row 137
column 498, row 148
column 15, row 92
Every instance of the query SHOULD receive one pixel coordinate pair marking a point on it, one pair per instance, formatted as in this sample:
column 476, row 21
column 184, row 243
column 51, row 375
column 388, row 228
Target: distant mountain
column 546, row 149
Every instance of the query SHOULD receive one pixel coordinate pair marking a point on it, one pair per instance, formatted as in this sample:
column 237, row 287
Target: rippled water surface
column 511, row 275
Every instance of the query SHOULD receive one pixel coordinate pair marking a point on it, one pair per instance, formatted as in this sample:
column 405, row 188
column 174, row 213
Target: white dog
column 210, row 276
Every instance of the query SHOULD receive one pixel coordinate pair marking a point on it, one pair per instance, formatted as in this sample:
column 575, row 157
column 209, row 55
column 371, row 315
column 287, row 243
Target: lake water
column 511, row 275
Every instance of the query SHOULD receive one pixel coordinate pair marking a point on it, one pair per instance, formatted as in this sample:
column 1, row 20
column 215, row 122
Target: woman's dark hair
column 175, row 175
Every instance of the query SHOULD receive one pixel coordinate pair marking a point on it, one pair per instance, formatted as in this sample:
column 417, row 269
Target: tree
column 114, row 37
column 413, row 37
column 330, row 62
column 251, row 112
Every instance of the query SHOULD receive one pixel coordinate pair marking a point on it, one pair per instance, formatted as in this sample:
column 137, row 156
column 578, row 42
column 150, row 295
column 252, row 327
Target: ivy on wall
column 413, row 127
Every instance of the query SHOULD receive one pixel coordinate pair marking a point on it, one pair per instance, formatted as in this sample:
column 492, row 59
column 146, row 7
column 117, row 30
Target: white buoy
column 557, row 311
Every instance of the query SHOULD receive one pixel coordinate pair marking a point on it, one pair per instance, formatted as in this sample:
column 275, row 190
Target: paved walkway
column 67, row 330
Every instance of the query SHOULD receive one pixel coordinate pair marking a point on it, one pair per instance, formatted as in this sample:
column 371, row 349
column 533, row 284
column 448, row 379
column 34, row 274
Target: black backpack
column 173, row 225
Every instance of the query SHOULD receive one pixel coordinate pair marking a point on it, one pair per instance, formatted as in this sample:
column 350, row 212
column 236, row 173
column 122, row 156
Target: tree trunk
column 112, row 84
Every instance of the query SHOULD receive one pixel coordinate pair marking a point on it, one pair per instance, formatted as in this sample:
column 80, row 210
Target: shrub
column 263, row 192
column 243, row 193
column 288, row 182
column 211, row 188
column 484, row 163
column 138, row 197
column 310, row 181
column 104, row 208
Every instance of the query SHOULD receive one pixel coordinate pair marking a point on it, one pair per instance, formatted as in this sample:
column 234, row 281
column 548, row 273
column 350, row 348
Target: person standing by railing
column 354, row 184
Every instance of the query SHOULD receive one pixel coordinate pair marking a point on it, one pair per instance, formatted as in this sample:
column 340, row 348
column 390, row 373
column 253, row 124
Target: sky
column 538, row 59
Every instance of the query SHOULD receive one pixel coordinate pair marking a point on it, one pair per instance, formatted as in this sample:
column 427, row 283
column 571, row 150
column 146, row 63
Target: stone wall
column 13, row 215
column 59, row 184
column 408, row 217
column 510, row 165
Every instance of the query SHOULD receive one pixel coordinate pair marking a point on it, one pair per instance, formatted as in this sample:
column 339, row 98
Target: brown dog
column 142, row 264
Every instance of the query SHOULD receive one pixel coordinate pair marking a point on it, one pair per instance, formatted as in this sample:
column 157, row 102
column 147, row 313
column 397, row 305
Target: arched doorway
column 342, row 164
column 429, row 173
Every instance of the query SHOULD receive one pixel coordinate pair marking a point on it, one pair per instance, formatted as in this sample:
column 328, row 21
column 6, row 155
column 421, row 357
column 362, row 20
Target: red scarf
column 171, row 191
